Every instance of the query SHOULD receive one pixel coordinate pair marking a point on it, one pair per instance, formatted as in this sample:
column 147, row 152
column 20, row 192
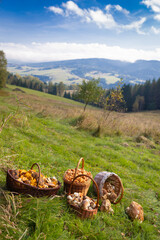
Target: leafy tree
column 89, row 92
column 113, row 102
column 3, row 69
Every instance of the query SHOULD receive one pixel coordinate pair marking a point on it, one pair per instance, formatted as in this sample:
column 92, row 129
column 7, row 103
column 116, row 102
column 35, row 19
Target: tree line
column 141, row 97
column 29, row 81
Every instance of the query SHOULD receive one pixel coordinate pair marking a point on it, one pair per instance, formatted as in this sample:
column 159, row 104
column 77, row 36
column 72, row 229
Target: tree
column 89, row 92
column 112, row 101
column 157, row 94
column 128, row 96
column 61, row 88
column 50, row 88
column 115, row 100
column 138, row 104
column 3, row 69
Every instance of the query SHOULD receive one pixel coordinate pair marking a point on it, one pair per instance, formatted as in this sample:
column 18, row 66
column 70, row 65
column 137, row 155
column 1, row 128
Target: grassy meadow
column 47, row 129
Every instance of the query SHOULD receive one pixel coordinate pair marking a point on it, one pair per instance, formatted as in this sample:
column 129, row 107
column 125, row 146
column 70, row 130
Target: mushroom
column 92, row 204
column 112, row 196
column 76, row 194
column 106, row 206
column 135, row 211
column 90, row 208
column 109, row 194
column 69, row 197
column 16, row 174
column 85, row 204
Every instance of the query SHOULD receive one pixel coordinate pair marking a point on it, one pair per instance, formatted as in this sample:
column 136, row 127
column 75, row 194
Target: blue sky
column 48, row 30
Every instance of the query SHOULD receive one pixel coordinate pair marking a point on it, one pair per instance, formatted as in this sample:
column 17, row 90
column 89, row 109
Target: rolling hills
column 73, row 71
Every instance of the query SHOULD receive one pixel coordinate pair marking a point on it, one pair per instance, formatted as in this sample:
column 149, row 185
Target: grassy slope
column 57, row 146
column 44, row 95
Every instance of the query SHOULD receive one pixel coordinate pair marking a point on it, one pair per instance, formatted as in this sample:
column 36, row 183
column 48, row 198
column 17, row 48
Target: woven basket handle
column 76, row 169
column 122, row 191
column 39, row 171
column 97, row 204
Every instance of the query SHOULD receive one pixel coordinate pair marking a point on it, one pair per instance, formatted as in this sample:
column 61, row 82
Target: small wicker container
column 20, row 187
column 84, row 214
column 103, row 177
column 77, row 187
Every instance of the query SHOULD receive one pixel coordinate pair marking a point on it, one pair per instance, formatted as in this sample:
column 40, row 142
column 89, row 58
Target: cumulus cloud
column 103, row 19
column 56, row 10
column 153, row 4
column 53, row 51
column 71, row 7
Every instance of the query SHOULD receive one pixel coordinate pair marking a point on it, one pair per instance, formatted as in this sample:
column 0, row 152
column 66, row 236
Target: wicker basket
column 103, row 177
column 81, row 212
column 20, row 187
column 77, row 187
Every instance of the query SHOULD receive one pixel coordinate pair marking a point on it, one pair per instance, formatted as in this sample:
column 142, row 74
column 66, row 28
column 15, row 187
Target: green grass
column 45, row 95
column 57, row 146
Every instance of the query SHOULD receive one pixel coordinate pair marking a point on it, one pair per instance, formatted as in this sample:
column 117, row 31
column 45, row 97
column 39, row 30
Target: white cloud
column 56, row 10
column 155, row 30
column 153, row 4
column 135, row 25
column 157, row 17
column 100, row 18
column 117, row 8
column 108, row 7
column 72, row 7
column 53, row 51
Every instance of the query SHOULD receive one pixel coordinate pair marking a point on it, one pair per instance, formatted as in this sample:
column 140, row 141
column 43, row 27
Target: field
column 47, row 129
column 55, row 75
column 109, row 77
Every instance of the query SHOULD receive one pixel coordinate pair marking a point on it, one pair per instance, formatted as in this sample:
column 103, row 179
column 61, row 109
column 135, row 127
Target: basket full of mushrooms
column 32, row 182
column 83, row 206
column 80, row 184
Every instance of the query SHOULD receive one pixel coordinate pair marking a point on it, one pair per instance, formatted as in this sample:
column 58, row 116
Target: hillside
column 44, row 129
column 73, row 71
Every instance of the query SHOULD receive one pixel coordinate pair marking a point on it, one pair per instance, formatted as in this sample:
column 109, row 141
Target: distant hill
column 73, row 71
